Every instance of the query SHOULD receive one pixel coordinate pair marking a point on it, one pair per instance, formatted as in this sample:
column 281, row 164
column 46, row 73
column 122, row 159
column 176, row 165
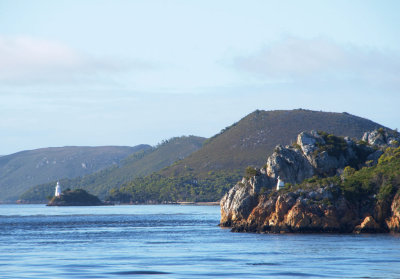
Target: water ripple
column 183, row 242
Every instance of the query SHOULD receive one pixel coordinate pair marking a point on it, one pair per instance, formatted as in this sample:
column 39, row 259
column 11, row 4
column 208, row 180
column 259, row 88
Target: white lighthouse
column 280, row 184
column 58, row 190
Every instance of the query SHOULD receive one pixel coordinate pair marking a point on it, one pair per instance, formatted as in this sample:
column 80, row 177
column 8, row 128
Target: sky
column 130, row 72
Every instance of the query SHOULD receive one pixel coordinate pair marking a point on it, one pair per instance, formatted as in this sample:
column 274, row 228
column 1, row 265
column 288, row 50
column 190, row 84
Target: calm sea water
column 173, row 241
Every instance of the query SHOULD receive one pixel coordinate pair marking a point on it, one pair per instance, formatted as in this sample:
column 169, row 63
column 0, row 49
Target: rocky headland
column 331, row 184
column 77, row 197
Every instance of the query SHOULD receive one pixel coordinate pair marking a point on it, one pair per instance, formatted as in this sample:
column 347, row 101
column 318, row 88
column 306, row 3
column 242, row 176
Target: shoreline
column 198, row 203
column 210, row 203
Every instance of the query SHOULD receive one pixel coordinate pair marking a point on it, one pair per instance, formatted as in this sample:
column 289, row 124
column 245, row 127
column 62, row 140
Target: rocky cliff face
column 238, row 203
column 253, row 204
column 300, row 211
column 315, row 154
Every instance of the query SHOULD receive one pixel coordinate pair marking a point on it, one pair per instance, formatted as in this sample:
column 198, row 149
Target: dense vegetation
column 22, row 170
column 75, row 197
column 156, row 188
column 139, row 164
column 334, row 145
column 382, row 180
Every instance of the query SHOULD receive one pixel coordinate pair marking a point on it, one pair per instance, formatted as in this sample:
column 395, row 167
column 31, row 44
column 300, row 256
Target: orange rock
column 281, row 208
column 368, row 225
column 296, row 217
column 393, row 222
column 331, row 222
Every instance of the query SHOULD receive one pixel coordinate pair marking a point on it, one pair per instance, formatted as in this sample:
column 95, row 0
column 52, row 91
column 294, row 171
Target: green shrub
column 382, row 179
column 334, row 145
column 250, row 171
column 390, row 154
column 386, row 191
column 296, row 146
column 348, row 171
column 263, row 190
column 326, row 202
column 362, row 142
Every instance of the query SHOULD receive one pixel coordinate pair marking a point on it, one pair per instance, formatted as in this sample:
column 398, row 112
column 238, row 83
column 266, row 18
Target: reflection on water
column 172, row 241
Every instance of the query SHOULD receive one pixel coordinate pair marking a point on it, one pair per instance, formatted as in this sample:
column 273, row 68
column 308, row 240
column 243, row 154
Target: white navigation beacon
column 58, row 190
column 280, row 184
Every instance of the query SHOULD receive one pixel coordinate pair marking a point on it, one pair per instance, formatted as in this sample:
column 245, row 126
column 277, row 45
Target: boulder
column 382, row 138
column 237, row 203
column 260, row 181
column 289, row 164
column 308, row 143
column 368, row 225
column 326, row 165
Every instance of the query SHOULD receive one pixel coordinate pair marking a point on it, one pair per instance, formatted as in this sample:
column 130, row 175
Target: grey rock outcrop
column 308, row 143
column 289, row 164
column 382, row 138
column 258, row 182
column 238, row 203
column 325, row 158
column 311, row 155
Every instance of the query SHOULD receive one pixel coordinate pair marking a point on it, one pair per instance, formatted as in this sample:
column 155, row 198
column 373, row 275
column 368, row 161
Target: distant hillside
column 210, row 172
column 251, row 140
column 138, row 164
column 22, row 170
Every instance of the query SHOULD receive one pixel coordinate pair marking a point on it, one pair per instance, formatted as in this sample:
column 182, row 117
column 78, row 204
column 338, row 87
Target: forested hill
column 22, row 170
column 251, row 140
column 206, row 174
column 209, row 173
column 138, row 164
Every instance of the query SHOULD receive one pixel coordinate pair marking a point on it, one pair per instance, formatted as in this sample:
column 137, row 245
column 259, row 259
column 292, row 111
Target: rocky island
column 331, row 184
column 77, row 197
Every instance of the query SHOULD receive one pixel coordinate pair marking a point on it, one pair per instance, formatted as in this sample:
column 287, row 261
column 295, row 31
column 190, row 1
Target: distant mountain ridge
column 22, row 170
column 251, row 140
column 208, row 172
column 212, row 170
column 141, row 163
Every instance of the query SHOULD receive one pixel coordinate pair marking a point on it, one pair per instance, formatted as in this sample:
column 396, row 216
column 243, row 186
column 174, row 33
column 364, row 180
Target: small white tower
column 58, row 190
column 280, row 184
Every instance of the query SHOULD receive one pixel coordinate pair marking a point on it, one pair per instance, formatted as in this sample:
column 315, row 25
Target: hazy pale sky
column 131, row 72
